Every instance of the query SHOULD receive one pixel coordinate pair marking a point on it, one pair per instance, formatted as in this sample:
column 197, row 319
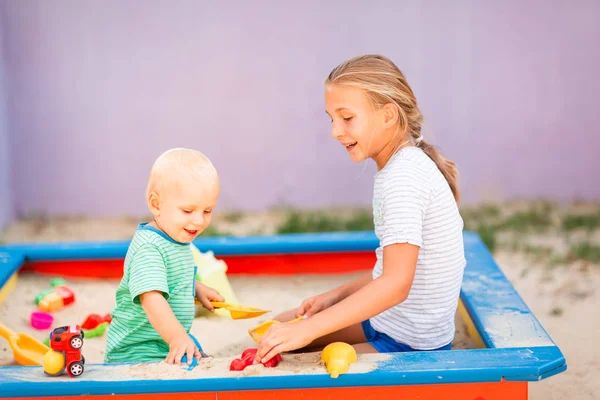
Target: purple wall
column 99, row 89
column 6, row 197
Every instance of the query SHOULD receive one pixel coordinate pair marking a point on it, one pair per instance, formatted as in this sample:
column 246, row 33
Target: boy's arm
column 161, row 316
column 148, row 287
column 163, row 320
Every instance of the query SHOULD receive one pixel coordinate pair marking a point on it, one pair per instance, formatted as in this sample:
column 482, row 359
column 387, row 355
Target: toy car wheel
column 76, row 342
column 76, row 369
column 82, row 359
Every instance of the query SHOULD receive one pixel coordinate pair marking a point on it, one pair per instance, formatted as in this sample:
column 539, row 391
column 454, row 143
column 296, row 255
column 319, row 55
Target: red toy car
column 68, row 340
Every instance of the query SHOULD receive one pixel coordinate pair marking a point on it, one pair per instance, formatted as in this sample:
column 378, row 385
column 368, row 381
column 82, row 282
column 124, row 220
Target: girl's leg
column 364, row 348
column 286, row 316
column 353, row 335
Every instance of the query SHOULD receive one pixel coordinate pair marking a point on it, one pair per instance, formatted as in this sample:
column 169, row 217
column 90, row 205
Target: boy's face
column 184, row 207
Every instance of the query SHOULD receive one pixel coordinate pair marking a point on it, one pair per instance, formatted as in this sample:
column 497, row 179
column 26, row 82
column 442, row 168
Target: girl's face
column 365, row 132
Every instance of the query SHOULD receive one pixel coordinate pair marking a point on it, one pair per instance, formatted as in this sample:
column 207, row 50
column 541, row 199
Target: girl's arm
column 318, row 303
column 390, row 289
column 353, row 286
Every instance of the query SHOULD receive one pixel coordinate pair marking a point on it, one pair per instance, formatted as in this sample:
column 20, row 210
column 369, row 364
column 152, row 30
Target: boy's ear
column 154, row 204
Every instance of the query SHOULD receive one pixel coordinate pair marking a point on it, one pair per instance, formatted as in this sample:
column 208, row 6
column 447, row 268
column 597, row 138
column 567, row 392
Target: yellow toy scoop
column 237, row 311
column 26, row 349
column 258, row 331
column 338, row 357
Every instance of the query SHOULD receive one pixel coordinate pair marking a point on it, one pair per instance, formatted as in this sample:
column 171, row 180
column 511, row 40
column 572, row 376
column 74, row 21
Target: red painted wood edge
column 455, row 391
column 279, row 264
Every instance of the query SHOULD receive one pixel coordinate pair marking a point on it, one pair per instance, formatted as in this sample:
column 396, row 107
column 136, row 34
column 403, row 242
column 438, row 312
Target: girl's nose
column 335, row 132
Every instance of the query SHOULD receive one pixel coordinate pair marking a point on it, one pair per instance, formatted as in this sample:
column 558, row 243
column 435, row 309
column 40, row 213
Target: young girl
column 409, row 300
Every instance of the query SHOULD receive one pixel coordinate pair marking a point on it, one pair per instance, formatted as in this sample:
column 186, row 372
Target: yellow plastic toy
column 26, row 349
column 212, row 272
column 54, row 362
column 238, row 311
column 337, row 357
column 258, row 331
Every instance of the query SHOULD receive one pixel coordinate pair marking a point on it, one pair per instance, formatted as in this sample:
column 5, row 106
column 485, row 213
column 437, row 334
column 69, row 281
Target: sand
column 221, row 337
column 292, row 364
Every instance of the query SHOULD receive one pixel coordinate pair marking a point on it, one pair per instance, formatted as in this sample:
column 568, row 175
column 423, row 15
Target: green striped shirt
column 154, row 262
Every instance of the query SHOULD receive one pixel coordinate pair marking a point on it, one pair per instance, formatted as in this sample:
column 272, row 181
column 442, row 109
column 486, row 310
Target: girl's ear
column 154, row 204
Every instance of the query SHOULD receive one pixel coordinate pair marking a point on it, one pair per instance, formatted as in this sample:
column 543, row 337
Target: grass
column 589, row 222
column 212, row 231
column 492, row 224
column 486, row 214
column 534, row 220
column 538, row 253
column 540, row 218
column 318, row 221
column 233, row 217
column 488, row 235
column 556, row 312
column 584, row 251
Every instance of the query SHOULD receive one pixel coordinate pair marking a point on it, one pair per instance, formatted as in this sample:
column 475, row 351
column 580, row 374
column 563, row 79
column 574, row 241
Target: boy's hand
column 206, row 294
column 179, row 346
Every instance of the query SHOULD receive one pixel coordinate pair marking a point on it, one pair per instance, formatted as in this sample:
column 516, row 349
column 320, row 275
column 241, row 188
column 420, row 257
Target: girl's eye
column 207, row 211
column 187, row 211
column 347, row 119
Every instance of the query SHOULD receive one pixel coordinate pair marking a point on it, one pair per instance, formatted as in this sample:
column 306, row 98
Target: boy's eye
column 207, row 211
column 187, row 211
column 347, row 118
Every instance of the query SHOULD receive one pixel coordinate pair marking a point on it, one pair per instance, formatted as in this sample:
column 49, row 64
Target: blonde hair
column 384, row 83
column 178, row 160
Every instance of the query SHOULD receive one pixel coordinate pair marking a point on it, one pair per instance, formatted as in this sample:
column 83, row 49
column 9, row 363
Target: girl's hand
column 315, row 304
column 207, row 294
column 283, row 337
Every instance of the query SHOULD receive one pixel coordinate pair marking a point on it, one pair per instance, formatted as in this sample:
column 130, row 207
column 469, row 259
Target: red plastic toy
column 55, row 298
column 68, row 340
column 93, row 320
column 239, row 364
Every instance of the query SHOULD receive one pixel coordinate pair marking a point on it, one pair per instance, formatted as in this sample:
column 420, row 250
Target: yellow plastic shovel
column 258, row 331
column 26, row 349
column 237, row 311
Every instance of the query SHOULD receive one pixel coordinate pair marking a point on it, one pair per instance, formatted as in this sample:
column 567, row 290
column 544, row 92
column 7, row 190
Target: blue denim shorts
column 385, row 344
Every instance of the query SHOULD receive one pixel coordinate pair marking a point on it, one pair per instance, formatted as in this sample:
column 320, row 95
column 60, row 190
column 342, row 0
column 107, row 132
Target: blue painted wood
column 499, row 313
column 455, row 366
column 10, row 262
column 519, row 348
column 221, row 246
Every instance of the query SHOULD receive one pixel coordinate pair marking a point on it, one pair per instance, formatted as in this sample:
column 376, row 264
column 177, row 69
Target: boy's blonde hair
column 384, row 83
column 182, row 161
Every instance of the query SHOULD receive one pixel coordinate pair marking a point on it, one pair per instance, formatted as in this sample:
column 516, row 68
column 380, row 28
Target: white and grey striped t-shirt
column 413, row 203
